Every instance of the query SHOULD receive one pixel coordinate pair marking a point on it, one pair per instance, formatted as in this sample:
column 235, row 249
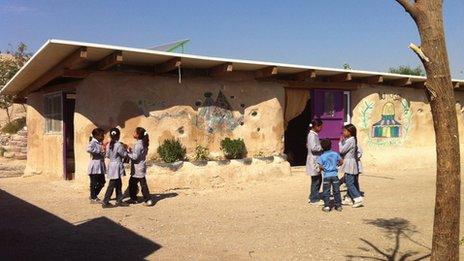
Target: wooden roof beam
column 266, row 72
column 342, row 77
column 418, row 85
column 78, row 74
column 305, row 75
column 376, row 79
column 221, row 69
column 77, row 57
column 168, row 66
column 399, row 82
column 109, row 61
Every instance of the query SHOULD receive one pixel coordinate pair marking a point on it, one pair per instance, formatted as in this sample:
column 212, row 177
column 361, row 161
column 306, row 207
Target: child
column 351, row 154
column 138, row 167
column 116, row 152
column 328, row 162
column 96, row 169
column 314, row 151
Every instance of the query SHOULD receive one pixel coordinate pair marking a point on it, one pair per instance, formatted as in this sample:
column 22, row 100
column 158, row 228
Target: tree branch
column 424, row 59
column 408, row 6
column 419, row 52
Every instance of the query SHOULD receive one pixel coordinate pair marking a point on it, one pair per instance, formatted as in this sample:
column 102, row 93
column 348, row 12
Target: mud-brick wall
column 395, row 127
column 197, row 111
column 44, row 151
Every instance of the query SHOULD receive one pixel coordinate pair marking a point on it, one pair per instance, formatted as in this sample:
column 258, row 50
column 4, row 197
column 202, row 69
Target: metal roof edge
column 207, row 58
column 25, row 65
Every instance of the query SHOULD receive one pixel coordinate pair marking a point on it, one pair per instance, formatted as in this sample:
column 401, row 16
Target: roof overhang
column 57, row 57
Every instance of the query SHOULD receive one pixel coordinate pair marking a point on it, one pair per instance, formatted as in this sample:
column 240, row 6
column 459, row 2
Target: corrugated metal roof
column 54, row 51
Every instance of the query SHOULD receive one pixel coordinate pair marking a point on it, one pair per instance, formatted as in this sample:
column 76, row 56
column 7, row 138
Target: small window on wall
column 347, row 107
column 53, row 113
column 329, row 107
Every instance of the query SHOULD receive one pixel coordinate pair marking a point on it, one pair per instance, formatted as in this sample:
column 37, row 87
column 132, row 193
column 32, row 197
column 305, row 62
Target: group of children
column 118, row 153
column 323, row 165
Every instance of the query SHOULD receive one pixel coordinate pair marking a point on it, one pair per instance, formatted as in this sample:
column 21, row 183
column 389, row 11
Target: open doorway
column 69, row 103
column 295, row 137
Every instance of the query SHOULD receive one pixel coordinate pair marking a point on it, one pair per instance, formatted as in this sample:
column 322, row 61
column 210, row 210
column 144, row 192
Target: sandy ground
column 266, row 221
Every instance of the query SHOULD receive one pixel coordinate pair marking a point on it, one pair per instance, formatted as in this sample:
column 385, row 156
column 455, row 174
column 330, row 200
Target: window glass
column 329, row 108
column 53, row 113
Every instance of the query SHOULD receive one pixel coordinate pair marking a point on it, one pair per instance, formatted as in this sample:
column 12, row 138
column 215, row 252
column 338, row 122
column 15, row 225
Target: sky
column 367, row 34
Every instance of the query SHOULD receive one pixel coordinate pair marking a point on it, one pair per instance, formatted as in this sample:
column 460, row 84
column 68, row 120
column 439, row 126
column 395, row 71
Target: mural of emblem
column 387, row 130
column 387, row 127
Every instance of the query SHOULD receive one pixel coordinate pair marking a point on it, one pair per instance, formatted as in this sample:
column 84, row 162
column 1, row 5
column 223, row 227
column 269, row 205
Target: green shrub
column 201, row 153
column 462, row 241
column 233, row 149
column 171, row 151
column 14, row 126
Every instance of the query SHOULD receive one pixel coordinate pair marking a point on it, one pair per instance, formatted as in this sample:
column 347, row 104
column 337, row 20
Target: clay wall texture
column 394, row 123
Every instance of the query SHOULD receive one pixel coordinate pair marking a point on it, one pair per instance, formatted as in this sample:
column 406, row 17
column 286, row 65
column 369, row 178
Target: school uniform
column 115, row 170
column 351, row 165
column 314, row 151
column 96, row 168
column 138, row 158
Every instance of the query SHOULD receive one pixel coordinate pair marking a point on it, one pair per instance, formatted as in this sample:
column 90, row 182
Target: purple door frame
column 328, row 106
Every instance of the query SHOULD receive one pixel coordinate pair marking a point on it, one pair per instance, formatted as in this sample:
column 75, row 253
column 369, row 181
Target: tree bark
column 428, row 15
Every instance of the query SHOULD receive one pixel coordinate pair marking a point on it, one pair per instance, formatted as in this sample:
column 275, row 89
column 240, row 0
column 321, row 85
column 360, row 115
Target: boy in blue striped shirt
column 328, row 162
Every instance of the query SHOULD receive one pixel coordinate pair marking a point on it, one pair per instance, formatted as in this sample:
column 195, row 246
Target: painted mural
column 387, row 130
column 387, row 127
column 212, row 114
column 217, row 114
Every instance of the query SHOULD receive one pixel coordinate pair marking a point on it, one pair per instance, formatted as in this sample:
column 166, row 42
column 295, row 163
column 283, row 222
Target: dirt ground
column 270, row 220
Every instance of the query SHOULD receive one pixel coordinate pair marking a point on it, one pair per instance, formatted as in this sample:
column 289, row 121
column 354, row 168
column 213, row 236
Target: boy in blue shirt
column 328, row 162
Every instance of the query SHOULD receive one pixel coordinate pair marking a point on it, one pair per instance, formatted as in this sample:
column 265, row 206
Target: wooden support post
column 307, row 75
column 376, row 79
column 111, row 60
column 221, row 69
column 168, row 66
column 266, row 72
column 342, row 77
column 399, row 82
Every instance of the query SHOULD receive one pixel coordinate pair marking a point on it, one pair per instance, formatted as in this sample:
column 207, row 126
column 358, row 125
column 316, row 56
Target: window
column 346, row 107
column 53, row 113
column 329, row 107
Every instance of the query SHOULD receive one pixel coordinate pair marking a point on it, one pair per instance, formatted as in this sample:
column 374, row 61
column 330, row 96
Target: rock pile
column 14, row 145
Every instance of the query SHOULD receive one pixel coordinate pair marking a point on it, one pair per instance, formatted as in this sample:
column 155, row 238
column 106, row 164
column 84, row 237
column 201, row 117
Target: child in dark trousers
column 138, row 157
column 328, row 162
column 96, row 168
column 116, row 152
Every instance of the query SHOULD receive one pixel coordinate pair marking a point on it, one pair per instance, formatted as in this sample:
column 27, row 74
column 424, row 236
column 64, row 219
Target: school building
column 72, row 87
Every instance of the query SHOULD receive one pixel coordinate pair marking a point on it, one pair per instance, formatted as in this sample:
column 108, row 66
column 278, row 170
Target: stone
column 20, row 157
column 8, row 154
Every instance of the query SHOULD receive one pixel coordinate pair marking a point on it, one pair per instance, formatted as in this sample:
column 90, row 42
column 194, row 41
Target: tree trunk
column 428, row 15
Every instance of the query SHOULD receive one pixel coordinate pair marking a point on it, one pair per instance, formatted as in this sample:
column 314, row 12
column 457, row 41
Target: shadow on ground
column 396, row 229
column 30, row 233
column 158, row 197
